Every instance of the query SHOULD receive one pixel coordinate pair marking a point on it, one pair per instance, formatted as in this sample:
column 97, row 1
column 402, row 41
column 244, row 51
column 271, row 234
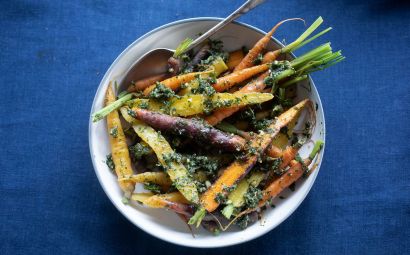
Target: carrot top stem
column 197, row 217
column 318, row 146
column 293, row 81
column 303, row 36
column 99, row 115
column 312, row 38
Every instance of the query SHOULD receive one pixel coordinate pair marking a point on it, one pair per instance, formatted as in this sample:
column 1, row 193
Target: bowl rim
column 198, row 245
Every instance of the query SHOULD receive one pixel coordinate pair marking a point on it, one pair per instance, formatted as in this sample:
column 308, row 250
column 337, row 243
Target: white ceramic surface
column 165, row 224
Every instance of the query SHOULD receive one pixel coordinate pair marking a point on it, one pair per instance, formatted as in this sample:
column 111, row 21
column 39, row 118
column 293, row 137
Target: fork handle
column 247, row 6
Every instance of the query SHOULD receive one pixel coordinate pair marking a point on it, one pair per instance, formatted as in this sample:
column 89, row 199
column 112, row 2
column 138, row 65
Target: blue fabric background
column 53, row 55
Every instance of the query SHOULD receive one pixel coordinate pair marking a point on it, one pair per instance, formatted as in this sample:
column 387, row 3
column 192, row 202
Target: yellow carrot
column 199, row 103
column 119, row 148
column 159, row 201
column 159, row 178
column 177, row 172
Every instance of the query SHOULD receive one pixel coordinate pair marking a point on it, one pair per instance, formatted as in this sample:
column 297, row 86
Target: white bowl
column 164, row 224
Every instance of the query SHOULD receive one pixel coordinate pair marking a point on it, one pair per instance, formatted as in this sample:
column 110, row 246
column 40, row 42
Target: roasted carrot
column 191, row 128
column 119, row 148
column 159, row 201
column 239, row 168
column 235, row 78
column 274, row 152
column 235, row 57
column 146, row 82
column 293, row 174
column 288, row 155
column 176, row 170
column 257, row 49
column 175, row 82
column 253, row 86
column 159, row 178
column 174, row 201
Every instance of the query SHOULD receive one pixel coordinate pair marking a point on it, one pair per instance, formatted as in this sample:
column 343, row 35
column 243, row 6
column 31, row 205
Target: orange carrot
column 235, row 57
column 253, row 53
column 274, row 152
column 295, row 171
column 253, row 86
column 239, row 168
column 175, row 82
column 271, row 56
column 235, row 78
column 279, row 184
column 287, row 155
column 146, row 82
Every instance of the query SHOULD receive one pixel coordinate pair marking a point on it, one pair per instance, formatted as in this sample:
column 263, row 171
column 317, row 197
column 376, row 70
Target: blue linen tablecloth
column 53, row 55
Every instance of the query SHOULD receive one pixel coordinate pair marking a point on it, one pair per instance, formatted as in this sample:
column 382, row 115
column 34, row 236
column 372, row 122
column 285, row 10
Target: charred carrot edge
column 146, row 82
column 235, row 57
column 119, row 148
column 239, row 168
column 253, row 53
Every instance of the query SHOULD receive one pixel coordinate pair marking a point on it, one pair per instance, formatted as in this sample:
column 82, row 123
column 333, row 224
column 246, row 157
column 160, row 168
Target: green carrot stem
column 302, row 60
column 197, row 217
column 293, row 81
column 99, row 115
column 312, row 38
column 318, row 146
column 303, row 36
column 227, row 211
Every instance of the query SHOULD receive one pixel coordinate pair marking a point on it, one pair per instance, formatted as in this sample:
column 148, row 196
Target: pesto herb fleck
column 139, row 150
column 154, row 188
column 243, row 221
column 161, row 92
column 110, row 162
column 258, row 59
column 220, row 198
column 114, row 132
column 252, row 197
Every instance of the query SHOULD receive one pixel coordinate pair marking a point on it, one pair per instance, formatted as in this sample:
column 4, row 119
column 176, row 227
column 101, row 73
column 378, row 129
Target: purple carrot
column 194, row 129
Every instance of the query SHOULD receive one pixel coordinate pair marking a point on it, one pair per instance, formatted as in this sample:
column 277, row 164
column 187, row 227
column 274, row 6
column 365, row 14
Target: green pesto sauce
column 114, row 132
column 110, row 162
column 139, row 150
column 252, row 197
column 161, row 92
column 154, row 188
